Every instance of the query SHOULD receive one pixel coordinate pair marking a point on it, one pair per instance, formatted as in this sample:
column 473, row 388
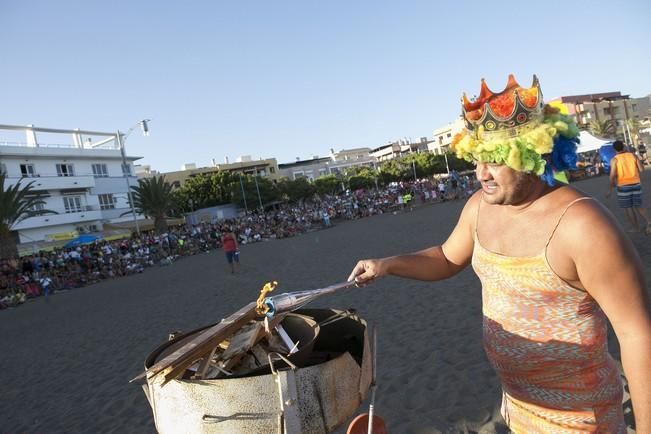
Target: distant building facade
column 266, row 168
column 337, row 162
column 399, row 148
column 84, row 183
column 610, row 106
column 443, row 136
column 144, row 171
column 309, row 169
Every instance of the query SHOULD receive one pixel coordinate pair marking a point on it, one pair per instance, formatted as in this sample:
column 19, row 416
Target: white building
column 443, row 136
column 400, row 148
column 336, row 162
column 83, row 182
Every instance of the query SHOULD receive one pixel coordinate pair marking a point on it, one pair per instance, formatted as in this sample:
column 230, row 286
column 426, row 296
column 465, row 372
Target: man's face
column 502, row 185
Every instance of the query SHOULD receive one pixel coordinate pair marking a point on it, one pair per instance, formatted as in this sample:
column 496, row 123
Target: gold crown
column 509, row 113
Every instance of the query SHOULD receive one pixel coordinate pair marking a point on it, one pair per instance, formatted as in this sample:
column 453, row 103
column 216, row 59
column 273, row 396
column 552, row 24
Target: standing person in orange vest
column 625, row 169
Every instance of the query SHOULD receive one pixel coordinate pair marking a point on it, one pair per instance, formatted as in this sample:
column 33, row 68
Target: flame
column 260, row 308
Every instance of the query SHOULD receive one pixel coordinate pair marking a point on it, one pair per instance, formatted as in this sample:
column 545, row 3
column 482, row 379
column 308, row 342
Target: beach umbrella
column 81, row 240
column 606, row 153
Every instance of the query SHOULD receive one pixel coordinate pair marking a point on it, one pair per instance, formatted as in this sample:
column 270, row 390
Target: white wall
column 89, row 187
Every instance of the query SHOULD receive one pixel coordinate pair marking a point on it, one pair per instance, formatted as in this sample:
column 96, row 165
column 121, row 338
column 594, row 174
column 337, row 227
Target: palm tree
column 153, row 198
column 604, row 129
column 16, row 204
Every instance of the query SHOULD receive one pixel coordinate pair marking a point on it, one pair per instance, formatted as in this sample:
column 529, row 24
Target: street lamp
column 246, row 208
column 447, row 166
column 126, row 172
column 258, row 190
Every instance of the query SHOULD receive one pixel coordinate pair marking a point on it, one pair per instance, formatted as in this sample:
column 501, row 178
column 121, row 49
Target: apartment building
column 443, row 136
column 85, row 183
column 266, row 168
column 610, row 106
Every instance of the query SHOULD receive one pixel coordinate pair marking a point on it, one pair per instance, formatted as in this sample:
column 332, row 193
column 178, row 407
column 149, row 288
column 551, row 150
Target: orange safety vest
column 626, row 166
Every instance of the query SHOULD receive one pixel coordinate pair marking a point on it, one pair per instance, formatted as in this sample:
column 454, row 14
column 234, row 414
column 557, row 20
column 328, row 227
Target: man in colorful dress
column 554, row 266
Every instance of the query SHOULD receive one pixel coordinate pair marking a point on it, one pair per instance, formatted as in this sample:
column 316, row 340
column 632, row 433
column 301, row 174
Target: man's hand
column 367, row 270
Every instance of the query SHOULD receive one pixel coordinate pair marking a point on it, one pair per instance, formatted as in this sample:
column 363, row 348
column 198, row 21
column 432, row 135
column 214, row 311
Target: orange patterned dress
column 548, row 343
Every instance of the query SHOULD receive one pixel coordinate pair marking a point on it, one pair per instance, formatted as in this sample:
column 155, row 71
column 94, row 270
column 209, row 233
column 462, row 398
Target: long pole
column 125, row 172
column 255, row 178
column 413, row 165
column 447, row 167
column 246, row 208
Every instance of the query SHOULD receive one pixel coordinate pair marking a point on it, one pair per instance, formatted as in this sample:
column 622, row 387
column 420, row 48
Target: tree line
column 219, row 188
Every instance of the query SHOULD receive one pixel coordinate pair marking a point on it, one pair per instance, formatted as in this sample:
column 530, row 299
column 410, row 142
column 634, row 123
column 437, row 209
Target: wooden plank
column 244, row 340
column 205, row 363
column 270, row 325
column 196, row 348
column 276, row 344
column 260, row 354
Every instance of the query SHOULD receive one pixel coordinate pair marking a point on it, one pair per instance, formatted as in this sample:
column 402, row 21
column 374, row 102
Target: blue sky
column 289, row 79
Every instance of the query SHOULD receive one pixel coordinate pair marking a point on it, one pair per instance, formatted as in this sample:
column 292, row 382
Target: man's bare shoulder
column 469, row 212
column 584, row 218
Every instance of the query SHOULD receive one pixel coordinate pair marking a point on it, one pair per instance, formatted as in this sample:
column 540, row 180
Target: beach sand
column 66, row 361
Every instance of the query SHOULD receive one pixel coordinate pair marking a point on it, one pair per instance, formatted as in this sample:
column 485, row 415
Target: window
column 72, row 204
column 3, row 168
column 272, row 170
column 449, row 135
column 100, row 170
column 65, row 170
column 106, row 201
column 27, row 170
column 37, row 207
column 126, row 169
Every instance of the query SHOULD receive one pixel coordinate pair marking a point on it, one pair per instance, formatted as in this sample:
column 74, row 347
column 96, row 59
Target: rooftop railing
column 105, row 147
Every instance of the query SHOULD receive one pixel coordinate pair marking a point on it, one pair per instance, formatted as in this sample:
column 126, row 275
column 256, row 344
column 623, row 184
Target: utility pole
column 126, row 172
column 246, row 208
column 255, row 178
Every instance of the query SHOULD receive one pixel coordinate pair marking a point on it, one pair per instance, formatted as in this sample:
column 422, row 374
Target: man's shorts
column 629, row 196
column 233, row 256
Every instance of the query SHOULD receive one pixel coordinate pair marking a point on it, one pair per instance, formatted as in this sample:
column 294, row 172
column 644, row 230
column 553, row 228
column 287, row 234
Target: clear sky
column 289, row 79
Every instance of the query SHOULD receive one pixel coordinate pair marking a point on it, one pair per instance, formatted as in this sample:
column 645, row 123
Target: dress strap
column 478, row 206
column 561, row 217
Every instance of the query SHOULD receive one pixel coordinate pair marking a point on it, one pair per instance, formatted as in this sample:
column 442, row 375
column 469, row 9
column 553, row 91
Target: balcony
column 55, row 182
column 87, row 213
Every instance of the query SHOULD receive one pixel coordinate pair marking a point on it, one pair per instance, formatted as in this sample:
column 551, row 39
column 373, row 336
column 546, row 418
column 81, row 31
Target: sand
column 66, row 361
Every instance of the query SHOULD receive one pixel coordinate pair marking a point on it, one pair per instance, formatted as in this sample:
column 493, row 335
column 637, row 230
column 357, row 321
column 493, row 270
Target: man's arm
column 611, row 271
column 612, row 178
column 640, row 166
column 434, row 263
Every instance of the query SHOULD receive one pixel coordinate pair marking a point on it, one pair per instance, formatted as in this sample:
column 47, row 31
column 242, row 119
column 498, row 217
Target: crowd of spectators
column 61, row 269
